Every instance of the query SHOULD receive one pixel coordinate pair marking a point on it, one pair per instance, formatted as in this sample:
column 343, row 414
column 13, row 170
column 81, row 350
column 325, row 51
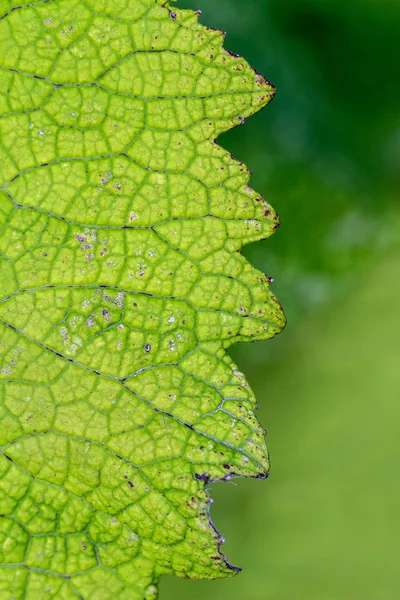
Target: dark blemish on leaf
column 173, row 15
column 226, row 467
column 130, row 484
column 203, row 477
column 147, row 347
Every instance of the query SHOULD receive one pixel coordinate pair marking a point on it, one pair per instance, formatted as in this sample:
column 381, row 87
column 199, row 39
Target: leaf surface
column 121, row 288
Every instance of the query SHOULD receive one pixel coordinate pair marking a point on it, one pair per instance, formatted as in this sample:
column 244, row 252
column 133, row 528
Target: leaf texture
column 121, row 288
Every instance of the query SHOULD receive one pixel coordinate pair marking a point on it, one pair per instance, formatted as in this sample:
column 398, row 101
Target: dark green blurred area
column 326, row 155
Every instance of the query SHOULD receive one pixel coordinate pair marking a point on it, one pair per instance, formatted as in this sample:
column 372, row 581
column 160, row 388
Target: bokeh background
column 326, row 154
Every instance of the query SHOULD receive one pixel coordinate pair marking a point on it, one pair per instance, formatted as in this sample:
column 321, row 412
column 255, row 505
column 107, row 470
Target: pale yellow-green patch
column 121, row 288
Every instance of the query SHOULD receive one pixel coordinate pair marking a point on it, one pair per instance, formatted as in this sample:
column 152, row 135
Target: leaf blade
column 123, row 288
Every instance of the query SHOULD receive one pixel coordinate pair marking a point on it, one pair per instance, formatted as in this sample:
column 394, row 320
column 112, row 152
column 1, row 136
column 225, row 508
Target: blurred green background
column 326, row 154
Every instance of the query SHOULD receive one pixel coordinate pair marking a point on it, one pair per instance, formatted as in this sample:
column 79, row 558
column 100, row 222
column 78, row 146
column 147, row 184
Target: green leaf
column 122, row 287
